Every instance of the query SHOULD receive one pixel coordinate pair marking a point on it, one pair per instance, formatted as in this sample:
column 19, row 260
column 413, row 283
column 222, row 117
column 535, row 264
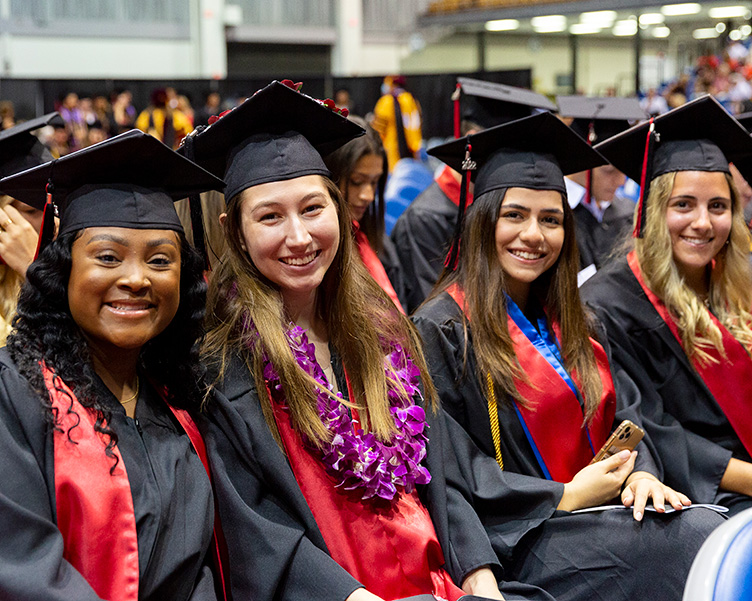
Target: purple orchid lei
column 359, row 461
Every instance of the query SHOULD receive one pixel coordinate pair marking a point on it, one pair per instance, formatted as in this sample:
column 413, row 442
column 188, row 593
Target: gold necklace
column 135, row 395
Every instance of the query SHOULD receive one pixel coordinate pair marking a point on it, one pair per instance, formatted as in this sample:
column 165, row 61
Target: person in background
column 212, row 107
column 676, row 308
column 7, row 114
column 103, row 489
column 123, row 112
column 359, row 170
column 396, row 117
column 423, row 232
column 603, row 219
column 170, row 125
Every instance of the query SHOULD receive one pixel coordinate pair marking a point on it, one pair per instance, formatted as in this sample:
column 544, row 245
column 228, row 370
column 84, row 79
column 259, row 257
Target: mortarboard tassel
column 456, row 100
column 468, row 165
column 647, row 175
column 47, row 231
column 589, row 176
column 197, row 214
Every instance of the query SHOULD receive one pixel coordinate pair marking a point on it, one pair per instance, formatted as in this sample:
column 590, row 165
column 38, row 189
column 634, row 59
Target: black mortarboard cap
column 20, row 149
column 535, row 152
column 130, row 181
column 489, row 104
column 746, row 120
column 276, row 134
column 697, row 136
column 604, row 117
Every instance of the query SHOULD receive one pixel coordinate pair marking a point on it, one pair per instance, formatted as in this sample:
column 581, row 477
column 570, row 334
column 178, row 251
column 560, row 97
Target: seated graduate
column 603, row 219
column 677, row 307
column 103, row 491
column 516, row 363
column 330, row 482
column 19, row 222
column 359, row 169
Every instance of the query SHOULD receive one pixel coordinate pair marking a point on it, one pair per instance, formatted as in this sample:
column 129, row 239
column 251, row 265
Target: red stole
column 553, row 416
column 95, row 512
column 729, row 379
column 390, row 548
column 374, row 265
column 449, row 185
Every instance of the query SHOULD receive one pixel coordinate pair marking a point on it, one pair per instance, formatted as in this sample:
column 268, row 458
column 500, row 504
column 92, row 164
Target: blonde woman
column 677, row 308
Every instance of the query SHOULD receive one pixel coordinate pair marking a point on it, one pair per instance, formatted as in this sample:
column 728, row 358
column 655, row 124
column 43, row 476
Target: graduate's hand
column 18, row 240
column 362, row 594
column 642, row 486
column 482, row 582
column 597, row 483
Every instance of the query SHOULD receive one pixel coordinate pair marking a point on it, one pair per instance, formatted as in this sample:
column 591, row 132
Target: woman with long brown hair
column 518, row 364
column 678, row 307
column 359, row 169
column 328, row 476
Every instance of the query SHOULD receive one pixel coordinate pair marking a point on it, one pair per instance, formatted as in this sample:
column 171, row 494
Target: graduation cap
column 130, row 181
column 698, row 136
column 277, row 134
column 746, row 120
column 597, row 119
column 490, row 104
column 20, row 149
column 535, row 152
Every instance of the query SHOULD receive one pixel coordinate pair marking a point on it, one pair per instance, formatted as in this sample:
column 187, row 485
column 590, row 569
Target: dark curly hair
column 44, row 329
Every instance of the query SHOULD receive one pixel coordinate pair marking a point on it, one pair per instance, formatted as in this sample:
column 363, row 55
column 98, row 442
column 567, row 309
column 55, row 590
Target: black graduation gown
column 596, row 240
column 171, row 492
column 693, row 438
column 422, row 235
column 276, row 549
column 393, row 268
column 572, row 556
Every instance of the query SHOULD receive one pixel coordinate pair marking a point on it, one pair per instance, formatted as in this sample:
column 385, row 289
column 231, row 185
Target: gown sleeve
column 270, row 547
column 32, row 567
column 509, row 504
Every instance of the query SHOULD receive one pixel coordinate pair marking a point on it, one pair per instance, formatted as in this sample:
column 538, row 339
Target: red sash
column 390, row 548
column 451, row 187
column 95, row 512
column 374, row 265
column 729, row 380
column 553, row 417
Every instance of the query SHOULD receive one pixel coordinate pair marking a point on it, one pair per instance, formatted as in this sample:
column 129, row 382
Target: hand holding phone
column 625, row 437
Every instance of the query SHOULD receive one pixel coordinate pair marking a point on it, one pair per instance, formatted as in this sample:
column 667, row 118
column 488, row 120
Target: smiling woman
column 99, row 379
column 677, row 307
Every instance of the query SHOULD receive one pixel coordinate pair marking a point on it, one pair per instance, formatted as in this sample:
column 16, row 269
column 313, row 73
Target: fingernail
column 638, row 516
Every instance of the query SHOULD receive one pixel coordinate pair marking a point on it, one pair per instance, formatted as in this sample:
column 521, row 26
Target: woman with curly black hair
column 103, row 494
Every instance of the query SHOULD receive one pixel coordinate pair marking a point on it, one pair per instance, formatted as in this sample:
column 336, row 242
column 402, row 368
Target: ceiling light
column 675, row 10
column 705, row 33
column 735, row 35
column 628, row 27
column 549, row 23
column 652, row 19
column 661, row 32
column 604, row 18
column 720, row 27
column 502, row 25
column 745, row 30
column 727, row 12
column 583, row 28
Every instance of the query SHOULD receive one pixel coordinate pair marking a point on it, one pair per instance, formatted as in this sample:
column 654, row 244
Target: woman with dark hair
column 103, row 494
column 329, row 480
column 359, row 169
column 518, row 365
column 678, row 307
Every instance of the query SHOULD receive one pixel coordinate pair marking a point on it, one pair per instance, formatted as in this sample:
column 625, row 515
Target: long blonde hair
column 730, row 295
column 482, row 279
column 212, row 206
column 362, row 323
column 10, row 286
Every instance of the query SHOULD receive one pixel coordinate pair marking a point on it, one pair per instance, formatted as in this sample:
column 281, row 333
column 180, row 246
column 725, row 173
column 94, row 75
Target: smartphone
column 625, row 437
